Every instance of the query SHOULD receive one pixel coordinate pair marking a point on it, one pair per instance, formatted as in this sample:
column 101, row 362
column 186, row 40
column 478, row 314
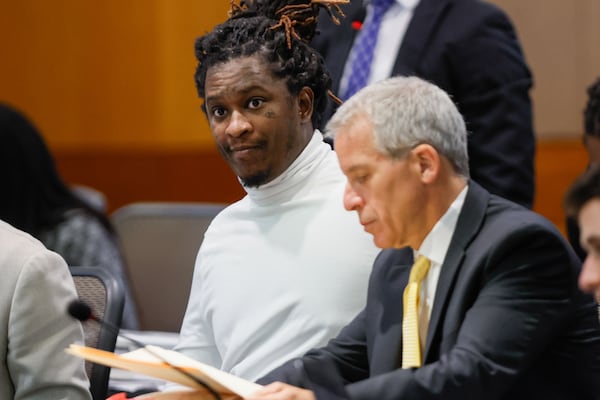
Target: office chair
column 160, row 241
column 102, row 292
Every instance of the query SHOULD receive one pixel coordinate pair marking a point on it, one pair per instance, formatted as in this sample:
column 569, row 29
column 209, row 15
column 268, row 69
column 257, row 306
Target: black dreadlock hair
column 279, row 31
column 591, row 114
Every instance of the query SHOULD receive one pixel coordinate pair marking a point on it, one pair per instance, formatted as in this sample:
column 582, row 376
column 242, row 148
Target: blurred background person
column 35, row 288
column 582, row 202
column 591, row 121
column 470, row 49
column 36, row 200
column 591, row 142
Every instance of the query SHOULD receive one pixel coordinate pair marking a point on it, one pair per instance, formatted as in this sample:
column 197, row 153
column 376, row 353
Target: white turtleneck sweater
column 279, row 272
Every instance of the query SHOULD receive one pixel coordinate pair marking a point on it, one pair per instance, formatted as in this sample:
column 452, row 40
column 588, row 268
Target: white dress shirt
column 434, row 247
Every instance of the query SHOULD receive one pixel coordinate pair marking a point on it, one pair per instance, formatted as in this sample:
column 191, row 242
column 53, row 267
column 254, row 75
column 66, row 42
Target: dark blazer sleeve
column 327, row 370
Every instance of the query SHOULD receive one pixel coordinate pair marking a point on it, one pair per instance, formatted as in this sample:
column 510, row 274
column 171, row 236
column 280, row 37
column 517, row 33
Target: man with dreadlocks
column 283, row 269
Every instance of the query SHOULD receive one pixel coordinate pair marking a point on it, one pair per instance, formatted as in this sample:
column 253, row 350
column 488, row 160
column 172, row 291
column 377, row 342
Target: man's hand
column 282, row 391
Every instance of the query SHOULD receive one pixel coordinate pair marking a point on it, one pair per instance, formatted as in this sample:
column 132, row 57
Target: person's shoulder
column 236, row 206
column 491, row 217
column 471, row 18
column 513, row 223
column 229, row 214
column 20, row 251
column 80, row 217
column 14, row 240
column 504, row 209
column 80, row 224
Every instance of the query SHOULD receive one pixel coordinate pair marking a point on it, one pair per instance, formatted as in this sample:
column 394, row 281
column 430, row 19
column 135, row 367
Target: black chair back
column 102, row 292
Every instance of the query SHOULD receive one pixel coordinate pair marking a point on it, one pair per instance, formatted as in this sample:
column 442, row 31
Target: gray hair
column 406, row 112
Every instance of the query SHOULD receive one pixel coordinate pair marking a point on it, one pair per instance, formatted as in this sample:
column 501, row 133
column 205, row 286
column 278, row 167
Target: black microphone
column 83, row 312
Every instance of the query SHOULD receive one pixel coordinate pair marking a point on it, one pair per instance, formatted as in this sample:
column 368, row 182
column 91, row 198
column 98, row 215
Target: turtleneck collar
column 286, row 185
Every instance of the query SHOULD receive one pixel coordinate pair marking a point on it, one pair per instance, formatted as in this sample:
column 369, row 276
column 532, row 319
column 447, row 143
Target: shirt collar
column 436, row 243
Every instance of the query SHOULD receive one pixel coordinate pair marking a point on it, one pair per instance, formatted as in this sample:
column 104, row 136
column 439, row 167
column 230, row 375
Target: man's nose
column 589, row 278
column 352, row 201
column 238, row 124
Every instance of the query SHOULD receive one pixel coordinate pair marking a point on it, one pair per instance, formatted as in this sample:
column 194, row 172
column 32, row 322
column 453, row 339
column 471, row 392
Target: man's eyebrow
column 355, row 167
column 592, row 240
column 243, row 90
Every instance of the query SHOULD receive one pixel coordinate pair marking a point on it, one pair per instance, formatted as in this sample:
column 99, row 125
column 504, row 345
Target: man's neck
column 437, row 200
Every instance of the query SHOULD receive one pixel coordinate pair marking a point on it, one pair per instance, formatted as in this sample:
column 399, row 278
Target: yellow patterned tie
column 411, row 348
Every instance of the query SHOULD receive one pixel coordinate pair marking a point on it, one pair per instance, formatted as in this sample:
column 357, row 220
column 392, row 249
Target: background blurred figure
column 591, row 121
column 582, row 202
column 468, row 48
column 35, row 288
column 591, row 142
column 36, row 200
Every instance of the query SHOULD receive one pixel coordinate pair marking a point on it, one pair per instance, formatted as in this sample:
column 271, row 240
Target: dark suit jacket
column 469, row 48
column 508, row 321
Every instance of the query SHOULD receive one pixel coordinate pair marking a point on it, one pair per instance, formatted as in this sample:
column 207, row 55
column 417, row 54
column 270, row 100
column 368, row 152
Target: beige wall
column 561, row 40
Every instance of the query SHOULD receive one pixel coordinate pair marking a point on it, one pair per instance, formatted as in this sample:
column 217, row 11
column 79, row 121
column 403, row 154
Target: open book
column 149, row 361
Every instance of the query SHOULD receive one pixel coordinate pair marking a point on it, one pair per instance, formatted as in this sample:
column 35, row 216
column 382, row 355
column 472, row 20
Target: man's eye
column 360, row 179
column 255, row 102
column 218, row 112
column 594, row 250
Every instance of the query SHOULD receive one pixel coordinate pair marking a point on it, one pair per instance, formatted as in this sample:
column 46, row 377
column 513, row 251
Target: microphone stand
column 81, row 311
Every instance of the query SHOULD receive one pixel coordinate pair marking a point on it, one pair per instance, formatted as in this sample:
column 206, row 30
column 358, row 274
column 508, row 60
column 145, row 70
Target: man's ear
column 428, row 161
column 306, row 99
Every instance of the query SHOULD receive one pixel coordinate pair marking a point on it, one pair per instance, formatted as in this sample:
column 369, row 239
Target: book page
column 149, row 361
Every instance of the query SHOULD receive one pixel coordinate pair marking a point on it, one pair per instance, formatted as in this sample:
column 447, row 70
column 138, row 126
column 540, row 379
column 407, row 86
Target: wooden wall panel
column 127, row 176
column 187, row 175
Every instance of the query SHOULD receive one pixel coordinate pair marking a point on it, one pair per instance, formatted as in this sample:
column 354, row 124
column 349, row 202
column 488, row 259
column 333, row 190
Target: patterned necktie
column 364, row 46
column 411, row 347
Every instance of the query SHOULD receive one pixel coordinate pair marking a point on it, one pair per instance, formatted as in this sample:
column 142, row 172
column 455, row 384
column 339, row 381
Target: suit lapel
column 425, row 20
column 385, row 347
column 469, row 221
